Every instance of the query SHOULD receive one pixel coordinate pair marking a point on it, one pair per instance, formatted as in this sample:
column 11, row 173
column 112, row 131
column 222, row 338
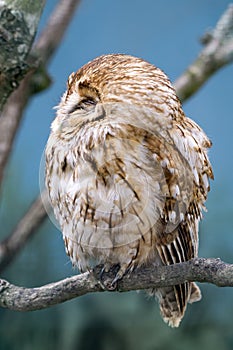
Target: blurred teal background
column 166, row 33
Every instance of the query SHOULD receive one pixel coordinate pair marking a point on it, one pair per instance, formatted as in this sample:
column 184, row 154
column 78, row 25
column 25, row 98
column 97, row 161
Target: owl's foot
column 111, row 274
column 119, row 275
column 107, row 279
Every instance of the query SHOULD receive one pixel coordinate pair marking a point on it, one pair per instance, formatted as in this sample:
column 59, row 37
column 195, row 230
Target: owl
column 128, row 174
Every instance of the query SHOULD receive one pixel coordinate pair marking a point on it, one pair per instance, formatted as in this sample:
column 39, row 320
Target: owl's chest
column 108, row 175
column 111, row 189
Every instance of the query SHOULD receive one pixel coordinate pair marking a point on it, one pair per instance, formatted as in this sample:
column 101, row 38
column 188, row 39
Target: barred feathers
column 128, row 173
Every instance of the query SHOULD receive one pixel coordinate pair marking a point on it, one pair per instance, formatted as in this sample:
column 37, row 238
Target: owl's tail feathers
column 195, row 293
column 173, row 301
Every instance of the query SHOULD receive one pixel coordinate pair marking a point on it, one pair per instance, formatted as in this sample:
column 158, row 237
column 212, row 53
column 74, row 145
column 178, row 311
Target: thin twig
column 218, row 52
column 200, row 270
column 10, row 119
column 54, row 31
column 24, row 230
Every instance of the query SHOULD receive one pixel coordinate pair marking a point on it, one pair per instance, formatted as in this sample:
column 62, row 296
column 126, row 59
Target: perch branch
column 217, row 52
column 200, row 270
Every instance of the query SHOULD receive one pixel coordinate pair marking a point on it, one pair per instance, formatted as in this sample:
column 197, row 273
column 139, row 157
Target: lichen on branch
column 18, row 24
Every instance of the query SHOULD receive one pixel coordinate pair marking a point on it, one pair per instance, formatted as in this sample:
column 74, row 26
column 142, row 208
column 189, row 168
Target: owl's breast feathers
column 125, row 184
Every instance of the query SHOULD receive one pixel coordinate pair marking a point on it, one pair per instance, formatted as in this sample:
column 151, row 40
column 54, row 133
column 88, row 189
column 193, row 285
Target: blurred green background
column 166, row 33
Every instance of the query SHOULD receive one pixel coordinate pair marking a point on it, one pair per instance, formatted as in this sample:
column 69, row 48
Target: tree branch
column 51, row 37
column 218, row 52
column 200, row 270
column 18, row 24
column 24, row 230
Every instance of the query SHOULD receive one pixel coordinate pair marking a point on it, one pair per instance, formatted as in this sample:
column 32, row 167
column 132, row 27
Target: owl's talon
column 114, row 283
column 101, row 278
column 102, row 285
column 112, row 286
column 102, row 273
column 107, row 285
column 104, row 280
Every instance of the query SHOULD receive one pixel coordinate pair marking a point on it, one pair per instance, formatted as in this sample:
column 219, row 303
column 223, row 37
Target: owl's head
column 113, row 80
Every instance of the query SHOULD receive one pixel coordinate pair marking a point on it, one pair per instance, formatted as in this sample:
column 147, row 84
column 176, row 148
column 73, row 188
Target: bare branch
column 10, row 119
column 200, row 270
column 25, row 229
column 54, row 31
column 218, row 52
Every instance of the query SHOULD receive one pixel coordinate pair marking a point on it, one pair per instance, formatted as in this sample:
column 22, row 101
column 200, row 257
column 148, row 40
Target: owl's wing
column 173, row 300
column 187, row 171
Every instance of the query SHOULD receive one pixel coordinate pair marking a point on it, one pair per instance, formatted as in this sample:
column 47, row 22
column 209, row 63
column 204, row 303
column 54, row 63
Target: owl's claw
column 101, row 278
column 113, row 285
column 106, row 283
column 102, row 272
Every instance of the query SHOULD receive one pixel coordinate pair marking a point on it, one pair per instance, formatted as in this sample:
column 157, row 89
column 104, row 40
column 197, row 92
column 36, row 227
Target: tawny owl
column 128, row 173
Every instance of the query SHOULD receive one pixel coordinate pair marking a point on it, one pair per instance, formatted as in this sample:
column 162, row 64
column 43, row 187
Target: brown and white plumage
column 128, row 173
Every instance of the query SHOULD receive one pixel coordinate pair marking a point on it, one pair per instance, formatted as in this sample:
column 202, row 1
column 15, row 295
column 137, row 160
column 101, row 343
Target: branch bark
column 18, row 24
column 212, row 271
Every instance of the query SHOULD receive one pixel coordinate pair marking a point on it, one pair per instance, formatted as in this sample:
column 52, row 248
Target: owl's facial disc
column 83, row 104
